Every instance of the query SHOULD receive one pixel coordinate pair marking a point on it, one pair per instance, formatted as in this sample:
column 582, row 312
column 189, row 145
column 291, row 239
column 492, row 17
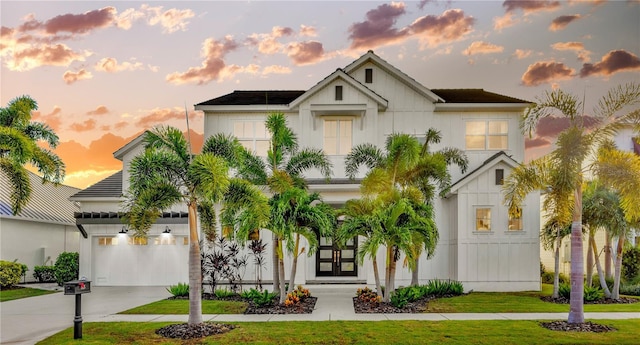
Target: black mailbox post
column 77, row 288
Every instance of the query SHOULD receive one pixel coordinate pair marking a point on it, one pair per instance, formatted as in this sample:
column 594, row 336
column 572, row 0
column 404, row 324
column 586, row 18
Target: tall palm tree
column 283, row 169
column 167, row 174
column 19, row 145
column 573, row 146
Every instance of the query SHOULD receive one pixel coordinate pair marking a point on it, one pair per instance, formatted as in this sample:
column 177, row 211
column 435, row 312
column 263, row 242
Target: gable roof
column 474, row 96
column 486, row 165
column 48, row 203
column 340, row 74
column 110, row 187
column 262, row 97
column 119, row 154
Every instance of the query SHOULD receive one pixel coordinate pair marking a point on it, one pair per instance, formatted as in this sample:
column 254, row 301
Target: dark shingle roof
column 265, row 97
column 110, row 187
column 474, row 96
column 48, row 202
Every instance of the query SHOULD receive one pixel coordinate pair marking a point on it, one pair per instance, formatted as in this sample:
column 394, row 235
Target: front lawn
column 359, row 332
column 181, row 306
column 21, row 292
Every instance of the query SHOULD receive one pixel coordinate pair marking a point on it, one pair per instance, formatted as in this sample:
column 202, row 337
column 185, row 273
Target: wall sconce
column 166, row 230
column 124, row 230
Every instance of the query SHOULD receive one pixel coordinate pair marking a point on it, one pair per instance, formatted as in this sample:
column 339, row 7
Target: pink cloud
column 530, row 6
column 613, row 62
column 211, row 68
column 309, row 31
column 504, row 21
column 276, row 69
column 583, row 54
column 480, row 47
column 302, row 53
column 100, row 110
column 561, row 22
column 378, row 28
column 551, row 126
column 50, row 55
column 170, row 20
column 522, row 54
column 85, row 126
column 111, row 65
column 81, row 23
column 451, row 26
column 70, row 77
column 52, row 119
column 546, row 71
column 121, row 125
column 161, row 116
column 536, row 142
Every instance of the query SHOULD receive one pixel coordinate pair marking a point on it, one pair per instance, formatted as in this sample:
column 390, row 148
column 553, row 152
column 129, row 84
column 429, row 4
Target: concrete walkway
column 28, row 320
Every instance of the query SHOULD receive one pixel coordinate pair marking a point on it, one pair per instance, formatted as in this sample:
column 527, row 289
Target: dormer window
column 338, row 92
column 368, row 75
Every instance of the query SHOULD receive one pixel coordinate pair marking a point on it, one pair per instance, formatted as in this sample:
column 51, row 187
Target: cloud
column 303, row 53
column 85, row 126
column 613, row 62
column 309, row 31
column 100, row 110
column 504, row 21
column 121, row 125
column 536, row 142
column 530, row 6
column 378, row 28
column 551, row 126
column 52, row 119
column 170, row 20
column 70, row 77
column 561, row 22
column 160, row 116
column 480, row 47
column 111, row 65
column 81, row 23
column 546, row 71
column 522, row 54
column 268, row 43
column 42, row 55
column 451, row 26
column 211, row 68
column 276, row 69
column 583, row 54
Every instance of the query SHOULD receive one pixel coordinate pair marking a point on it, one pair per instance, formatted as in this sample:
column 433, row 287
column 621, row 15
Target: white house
column 45, row 227
column 361, row 103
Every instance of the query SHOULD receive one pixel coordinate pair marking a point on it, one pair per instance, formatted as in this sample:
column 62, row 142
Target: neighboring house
column 362, row 103
column 45, row 227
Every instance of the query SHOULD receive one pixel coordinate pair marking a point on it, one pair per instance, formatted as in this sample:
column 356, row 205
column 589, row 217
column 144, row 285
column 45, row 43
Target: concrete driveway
column 29, row 320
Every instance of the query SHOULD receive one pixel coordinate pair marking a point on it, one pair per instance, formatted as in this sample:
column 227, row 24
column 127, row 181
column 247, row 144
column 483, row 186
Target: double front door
column 332, row 261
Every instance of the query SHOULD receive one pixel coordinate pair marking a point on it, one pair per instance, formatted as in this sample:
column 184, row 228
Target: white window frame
column 253, row 137
column 512, row 222
column 478, row 229
column 487, row 134
column 338, row 137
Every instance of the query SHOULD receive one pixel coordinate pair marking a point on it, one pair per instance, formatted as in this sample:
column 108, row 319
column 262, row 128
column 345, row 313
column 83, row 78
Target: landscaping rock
column 186, row 331
column 588, row 326
column 418, row 306
column 305, row 306
column 621, row 300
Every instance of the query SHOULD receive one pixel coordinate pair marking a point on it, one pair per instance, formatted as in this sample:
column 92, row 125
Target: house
column 363, row 102
column 45, row 227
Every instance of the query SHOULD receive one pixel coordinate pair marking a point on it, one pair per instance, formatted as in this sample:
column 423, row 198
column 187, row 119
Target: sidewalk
column 28, row 320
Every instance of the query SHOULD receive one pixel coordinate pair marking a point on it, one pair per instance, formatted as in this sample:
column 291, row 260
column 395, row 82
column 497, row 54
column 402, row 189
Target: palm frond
column 19, row 182
column 366, row 155
column 550, row 104
column 208, row 175
column 306, row 159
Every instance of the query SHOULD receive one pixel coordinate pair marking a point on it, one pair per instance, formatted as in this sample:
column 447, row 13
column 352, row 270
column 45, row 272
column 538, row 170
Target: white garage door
column 124, row 260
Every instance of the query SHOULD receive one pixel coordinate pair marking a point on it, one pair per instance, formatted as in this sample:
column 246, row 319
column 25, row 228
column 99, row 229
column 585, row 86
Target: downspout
column 82, row 230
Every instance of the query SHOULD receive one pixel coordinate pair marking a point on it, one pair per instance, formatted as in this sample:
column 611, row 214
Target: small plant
column 10, row 273
column 257, row 251
column 593, row 293
column 44, row 274
column 296, row 296
column 631, row 263
column 223, row 293
column 180, row 290
column 564, row 290
column 265, row 298
column 441, row 288
column 66, row 267
column 399, row 298
column 630, row 290
column 250, row 294
column 368, row 296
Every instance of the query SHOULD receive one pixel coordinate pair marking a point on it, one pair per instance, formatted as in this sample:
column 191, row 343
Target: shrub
column 593, row 293
column 631, row 263
column 66, row 267
column 265, row 298
column 367, row 295
column 595, row 281
column 296, row 296
column 440, row 288
column 222, row 293
column 249, row 294
column 180, row 290
column 10, row 273
column 564, row 290
column 630, row 290
column 547, row 278
column 44, row 274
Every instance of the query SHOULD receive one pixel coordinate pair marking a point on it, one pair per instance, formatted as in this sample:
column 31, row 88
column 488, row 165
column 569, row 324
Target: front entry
column 332, row 261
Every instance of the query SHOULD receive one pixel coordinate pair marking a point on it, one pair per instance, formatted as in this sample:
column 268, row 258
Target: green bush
column 631, row 263
column 222, row 293
column 44, row 274
column 593, row 293
column 564, row 290
column 180, row 290
column 595, row 281
column 440, row 288
column 66, row 267
column 249, row 294
column 630, row 290
column 264, row 298
column 547, row 278
column 368, row 296
column 399, row 298
column 10, row 273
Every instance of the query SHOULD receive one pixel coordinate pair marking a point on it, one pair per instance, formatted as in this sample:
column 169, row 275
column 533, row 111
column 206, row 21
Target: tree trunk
column 589, row 272
column 607, row 255
column 387, row 271
column 376, row 275
column 576, row 302
column 556, row 271
column 275, row 263
column 195, row 269
column 414, row 272
column 603, row 282
column 392, row 276
column 283, row 293
column 615, row 294
column 294, row 264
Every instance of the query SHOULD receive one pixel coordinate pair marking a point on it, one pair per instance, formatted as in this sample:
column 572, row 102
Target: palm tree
column 20, row 140
column 283, row 169
column 573, row 146
column 167, row 174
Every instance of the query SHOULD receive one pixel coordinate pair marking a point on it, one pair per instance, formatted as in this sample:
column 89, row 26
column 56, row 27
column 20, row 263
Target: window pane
column 261, row 130
column 515, row 224
column 330, row 146
column 475, row 142
column 326, row 266
column 497, row 142
column 238, row 129
column 347, row 267
column 498, row 127
column 346, row 253
column 248, row 144
column 483, row 219
column 326, row 241
column 248, row 130
column 330, row 129
column 326, row 254
column 475, row 128
column 262, row 146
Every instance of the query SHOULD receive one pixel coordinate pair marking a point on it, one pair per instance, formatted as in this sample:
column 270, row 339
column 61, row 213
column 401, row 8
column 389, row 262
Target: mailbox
column 77, row 287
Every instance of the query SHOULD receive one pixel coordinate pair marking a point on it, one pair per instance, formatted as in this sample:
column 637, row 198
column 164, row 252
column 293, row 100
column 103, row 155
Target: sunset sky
column 102, row 72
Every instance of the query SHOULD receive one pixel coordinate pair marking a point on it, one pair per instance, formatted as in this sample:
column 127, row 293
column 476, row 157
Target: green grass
column 359, row 332
column 17, row 293
column 181, row 306
column 515, row 302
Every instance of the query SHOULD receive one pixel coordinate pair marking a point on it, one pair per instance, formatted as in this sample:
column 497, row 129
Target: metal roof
column 265, row 97
column 110, row 187
column 474, row 96
column 48, row 203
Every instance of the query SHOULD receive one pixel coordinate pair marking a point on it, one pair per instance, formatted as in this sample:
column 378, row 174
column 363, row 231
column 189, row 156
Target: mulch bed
column 305, row 306
column 562, row 300
column 186, row 331
column 418, row 306
column 588, row 326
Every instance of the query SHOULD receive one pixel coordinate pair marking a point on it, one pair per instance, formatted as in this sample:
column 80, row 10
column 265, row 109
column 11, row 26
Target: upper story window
column 486, row 135
column 368, row 75
column 483, row 219
column 337, row 137
column 515, row 223
column 253, row 135
column 338, row 92
column 499, row 177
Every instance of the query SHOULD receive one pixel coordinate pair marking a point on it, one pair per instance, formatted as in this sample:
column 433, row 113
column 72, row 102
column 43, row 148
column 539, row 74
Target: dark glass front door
column 332, row 261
